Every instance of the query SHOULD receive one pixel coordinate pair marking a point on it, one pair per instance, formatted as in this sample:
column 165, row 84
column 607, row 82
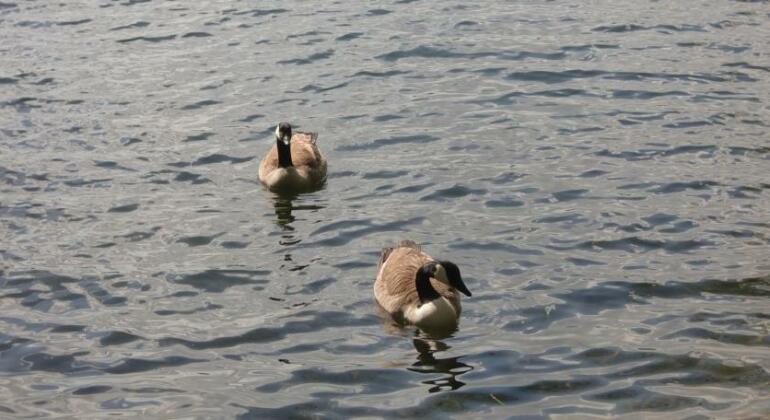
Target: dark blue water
column 599, row 172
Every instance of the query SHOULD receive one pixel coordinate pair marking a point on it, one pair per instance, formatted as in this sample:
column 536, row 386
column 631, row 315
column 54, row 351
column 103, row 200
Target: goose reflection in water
column 427, row 344
column 286, row 206
column 283, row 206
column 427, row 363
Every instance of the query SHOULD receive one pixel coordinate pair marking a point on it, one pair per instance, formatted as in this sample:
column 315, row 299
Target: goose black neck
column 284, row 154
column 425, row 290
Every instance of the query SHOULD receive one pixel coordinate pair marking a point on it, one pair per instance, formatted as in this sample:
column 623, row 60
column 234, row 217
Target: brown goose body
column 307, row 168
column 395, row 288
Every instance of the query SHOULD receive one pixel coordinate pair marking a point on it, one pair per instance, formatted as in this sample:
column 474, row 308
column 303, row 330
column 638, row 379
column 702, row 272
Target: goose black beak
column 459, row 285
column 454, row 277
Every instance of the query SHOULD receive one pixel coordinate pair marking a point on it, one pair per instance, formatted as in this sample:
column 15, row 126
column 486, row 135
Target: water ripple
column 424, row 51
column 316, row 322
column 217, row 281
column 378, row 143
column 151, row 39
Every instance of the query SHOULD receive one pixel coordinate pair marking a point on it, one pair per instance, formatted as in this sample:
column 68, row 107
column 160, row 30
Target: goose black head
column 283, row 132
column 448, row 273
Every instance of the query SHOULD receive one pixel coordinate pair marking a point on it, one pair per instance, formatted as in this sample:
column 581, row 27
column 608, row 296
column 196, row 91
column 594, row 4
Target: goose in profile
column 294, row 164
column 416, row 289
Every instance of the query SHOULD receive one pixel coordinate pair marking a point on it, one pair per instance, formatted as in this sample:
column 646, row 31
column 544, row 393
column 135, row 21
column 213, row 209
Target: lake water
column 597, row 170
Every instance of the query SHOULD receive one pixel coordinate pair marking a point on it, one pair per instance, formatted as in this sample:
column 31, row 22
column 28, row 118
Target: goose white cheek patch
column 440, row 274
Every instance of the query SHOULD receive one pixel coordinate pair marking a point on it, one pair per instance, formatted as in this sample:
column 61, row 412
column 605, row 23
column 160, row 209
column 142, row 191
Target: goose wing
column 394, row 287
column 304, row 151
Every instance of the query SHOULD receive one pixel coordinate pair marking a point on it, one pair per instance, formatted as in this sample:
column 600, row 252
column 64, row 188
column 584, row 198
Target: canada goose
column 415, row 288
column 294, row 163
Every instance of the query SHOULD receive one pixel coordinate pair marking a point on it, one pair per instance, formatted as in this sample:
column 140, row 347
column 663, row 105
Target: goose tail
column 406, row 243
